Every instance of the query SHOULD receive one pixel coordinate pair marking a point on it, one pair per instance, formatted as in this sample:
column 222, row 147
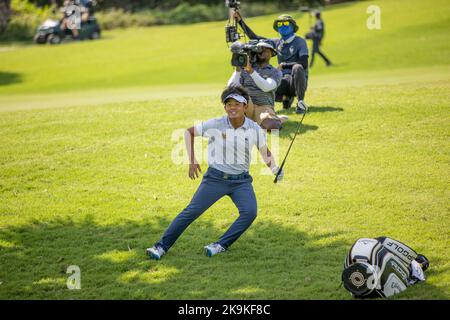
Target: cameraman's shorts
column 259, row 113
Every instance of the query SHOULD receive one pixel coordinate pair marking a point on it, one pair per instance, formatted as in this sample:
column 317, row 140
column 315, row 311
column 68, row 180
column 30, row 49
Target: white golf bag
column 381, row 267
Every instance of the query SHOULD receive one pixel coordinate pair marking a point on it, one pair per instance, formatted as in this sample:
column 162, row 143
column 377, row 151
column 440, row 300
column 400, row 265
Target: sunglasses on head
column 282, row 23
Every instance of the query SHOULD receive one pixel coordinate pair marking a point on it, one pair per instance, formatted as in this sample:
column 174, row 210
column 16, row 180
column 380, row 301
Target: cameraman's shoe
column 302, row 107
column 287, row 102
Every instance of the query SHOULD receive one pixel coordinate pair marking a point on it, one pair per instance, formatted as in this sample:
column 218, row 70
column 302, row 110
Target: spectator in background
column 71, row 18
column 76, row 12
column 87, row 10
column 316, row 35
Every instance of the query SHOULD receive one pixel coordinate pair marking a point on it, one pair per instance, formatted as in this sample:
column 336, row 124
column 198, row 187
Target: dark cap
column 285, row 17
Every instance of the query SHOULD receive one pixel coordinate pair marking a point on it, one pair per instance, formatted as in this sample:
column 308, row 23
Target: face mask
column 286, row 31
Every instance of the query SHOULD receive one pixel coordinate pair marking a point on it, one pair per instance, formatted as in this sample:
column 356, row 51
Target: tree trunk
column 5, row 13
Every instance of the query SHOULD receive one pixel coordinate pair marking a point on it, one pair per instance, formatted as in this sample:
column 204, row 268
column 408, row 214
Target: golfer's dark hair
column 234, row 89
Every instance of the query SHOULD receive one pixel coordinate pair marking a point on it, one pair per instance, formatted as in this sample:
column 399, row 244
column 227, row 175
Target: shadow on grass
column 311, row 109
column 324, row 109
column 7, row 78
column 269, row 261
column 290, row 126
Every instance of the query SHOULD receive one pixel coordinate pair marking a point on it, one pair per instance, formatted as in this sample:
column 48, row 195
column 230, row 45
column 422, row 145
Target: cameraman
column 261, row 80
column 292, row 60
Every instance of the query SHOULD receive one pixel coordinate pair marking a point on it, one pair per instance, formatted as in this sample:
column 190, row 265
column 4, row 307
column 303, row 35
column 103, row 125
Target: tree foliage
column 132, row 5
column 5, row 13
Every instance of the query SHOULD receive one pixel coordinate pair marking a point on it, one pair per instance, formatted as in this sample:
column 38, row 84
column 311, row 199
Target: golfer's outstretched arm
column 194, row 167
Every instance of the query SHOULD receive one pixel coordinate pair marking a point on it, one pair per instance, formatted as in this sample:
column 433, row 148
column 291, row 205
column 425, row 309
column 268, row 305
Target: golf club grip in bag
column 381, row 267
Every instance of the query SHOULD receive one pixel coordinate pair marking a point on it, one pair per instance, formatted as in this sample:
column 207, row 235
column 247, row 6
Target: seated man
column 71, row 18
column 292, row 60
column 261, row 80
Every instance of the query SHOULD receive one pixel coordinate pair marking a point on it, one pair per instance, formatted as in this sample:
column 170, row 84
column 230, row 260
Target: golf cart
column 50, row 31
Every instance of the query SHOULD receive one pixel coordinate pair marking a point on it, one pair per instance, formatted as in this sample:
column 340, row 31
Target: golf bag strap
column 399, row 249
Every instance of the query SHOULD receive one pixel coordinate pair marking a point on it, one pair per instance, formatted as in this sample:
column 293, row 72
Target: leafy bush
column 25, row 19
column 182, row 14
column 118, row 18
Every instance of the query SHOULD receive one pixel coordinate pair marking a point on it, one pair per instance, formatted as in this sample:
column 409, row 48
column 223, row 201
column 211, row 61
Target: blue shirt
column 319, row 29
column 291, row 50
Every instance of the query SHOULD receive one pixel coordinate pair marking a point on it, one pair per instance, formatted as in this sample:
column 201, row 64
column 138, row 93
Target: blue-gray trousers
column 215, row 185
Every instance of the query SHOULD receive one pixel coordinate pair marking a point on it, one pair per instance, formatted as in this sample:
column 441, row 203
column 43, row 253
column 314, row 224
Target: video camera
column 231, row 33
column 231, row 29
column 244, row 53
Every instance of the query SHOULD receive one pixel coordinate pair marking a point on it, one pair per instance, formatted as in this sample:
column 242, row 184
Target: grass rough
column 91, row 183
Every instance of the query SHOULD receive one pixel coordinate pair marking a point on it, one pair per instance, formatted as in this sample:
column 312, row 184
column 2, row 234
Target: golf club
column 289, row 149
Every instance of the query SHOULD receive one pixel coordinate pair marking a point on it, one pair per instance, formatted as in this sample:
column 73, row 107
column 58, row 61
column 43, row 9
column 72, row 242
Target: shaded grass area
column 111, row 270
column 115, row 267
column 94, row 186
column 7, row 78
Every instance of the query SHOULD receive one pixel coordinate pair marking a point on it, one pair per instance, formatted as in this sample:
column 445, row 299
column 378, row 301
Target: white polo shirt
column 229, row 149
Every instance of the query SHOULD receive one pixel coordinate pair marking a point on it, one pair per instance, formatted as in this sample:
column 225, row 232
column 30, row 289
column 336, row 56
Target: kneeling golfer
column 231, row 139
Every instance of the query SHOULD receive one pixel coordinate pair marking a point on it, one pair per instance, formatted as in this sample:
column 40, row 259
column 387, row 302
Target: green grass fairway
column 86, row 176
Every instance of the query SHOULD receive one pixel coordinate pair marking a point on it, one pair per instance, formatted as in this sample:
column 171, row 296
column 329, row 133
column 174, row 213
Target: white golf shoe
column 213, row 249
column 155, row 252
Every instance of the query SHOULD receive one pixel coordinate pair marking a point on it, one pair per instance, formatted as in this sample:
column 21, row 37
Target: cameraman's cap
column 285, row 17
column 236, row 97
column 267, row 44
